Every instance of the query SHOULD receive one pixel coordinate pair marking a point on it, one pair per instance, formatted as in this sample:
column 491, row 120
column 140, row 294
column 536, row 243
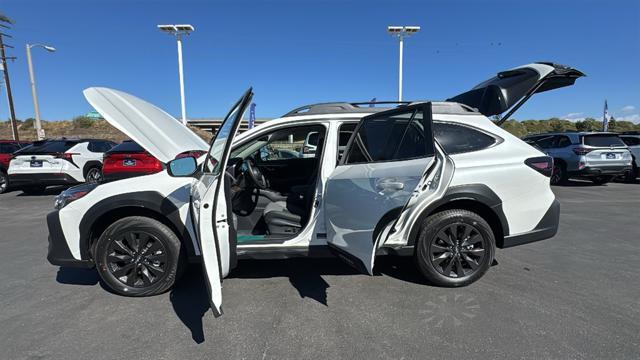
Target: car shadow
column 578, row 183
column 190, row 299
column 77, row 276
column 52, row 190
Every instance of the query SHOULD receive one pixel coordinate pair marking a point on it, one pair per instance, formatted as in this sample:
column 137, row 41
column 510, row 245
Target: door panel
column 385, row 161
column 216, row 234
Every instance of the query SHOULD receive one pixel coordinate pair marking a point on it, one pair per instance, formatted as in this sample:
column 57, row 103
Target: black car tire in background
column 139, row 256
column 455, row 248
column 93, row 175
column 630, row 177
column 4, row 182
column 559, row 173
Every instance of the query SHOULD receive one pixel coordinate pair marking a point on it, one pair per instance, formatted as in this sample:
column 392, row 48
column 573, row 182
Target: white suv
column 438, row 181
column 57, row 162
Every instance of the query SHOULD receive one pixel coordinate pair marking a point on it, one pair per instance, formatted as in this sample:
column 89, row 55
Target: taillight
column 541, row 164
column 581, row 151
column 66, row 156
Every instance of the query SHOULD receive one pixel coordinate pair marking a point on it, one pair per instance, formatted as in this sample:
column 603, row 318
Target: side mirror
column 182, row 167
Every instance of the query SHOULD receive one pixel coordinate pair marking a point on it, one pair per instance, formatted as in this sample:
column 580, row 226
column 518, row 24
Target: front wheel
column 138, row 256
column 455, row 248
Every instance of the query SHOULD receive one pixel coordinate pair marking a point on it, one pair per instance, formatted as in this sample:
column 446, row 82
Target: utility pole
column 401, row 32
column 178, row 31
column 40, row 135
column 7, row 83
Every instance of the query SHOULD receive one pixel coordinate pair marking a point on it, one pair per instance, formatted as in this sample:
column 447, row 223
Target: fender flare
column 475, row 192
column 143, row 200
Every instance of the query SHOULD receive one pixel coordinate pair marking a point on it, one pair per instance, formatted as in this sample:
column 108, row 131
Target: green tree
column 83, row 122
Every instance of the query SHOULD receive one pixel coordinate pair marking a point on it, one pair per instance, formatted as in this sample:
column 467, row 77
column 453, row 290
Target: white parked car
column 438, row 181
column 57, row 162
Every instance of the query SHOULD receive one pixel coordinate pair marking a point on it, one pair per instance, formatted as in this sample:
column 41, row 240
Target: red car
column 7, row 148
column 128, row 159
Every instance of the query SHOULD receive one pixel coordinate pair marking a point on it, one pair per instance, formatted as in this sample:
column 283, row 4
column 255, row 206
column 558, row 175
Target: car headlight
column 72, row 194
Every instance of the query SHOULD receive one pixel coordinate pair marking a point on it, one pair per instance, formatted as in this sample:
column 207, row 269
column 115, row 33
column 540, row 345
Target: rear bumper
column 59, row 253
column 18, row 180
column 546, row 228
column 602, row 170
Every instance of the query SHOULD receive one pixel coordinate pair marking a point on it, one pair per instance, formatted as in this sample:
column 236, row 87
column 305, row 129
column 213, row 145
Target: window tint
column 8, row 148
column 563, row 141
column 393, row 137
column 456, row 139
column 546, row 142
column 630, row 140
column 127, row 147
column 602, row 140
column 49, row 146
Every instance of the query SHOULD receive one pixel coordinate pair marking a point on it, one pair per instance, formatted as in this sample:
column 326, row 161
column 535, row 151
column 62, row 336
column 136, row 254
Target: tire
column 630, row 177
column 601, row 180
column 559, row 174
column 127, row 268
column 4, row 182
column 93, row 175
column 454, row 269
column 34, row 190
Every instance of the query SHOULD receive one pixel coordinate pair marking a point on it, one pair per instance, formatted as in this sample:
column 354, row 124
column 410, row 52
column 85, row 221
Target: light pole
column 178, row 31
column 39, row 131
column 401, row 32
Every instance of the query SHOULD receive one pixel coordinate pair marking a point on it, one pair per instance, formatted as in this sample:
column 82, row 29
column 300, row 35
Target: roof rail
column 341, row 107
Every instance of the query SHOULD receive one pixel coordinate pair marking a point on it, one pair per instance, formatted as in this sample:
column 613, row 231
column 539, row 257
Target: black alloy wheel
column 558, row 175
column 94, row 175
column 457, row 250
column 137, row 258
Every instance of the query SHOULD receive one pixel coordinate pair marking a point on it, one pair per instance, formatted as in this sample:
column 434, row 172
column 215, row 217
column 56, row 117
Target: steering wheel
column 255, row 174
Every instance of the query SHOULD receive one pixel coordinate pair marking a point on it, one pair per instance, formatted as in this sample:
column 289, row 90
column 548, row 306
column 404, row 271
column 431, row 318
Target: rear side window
column 456, row 139
column 630, row 140
column 8, row 148
column 127, row 147
column 563, row 141
column 394, row 137
column 604, row 140
column 49, row 146
column 100, row 146
column 344, row 134
column 546, row 142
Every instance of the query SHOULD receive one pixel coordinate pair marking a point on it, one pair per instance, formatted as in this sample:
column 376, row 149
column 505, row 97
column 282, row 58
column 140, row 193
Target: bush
column 83, row 122
column 28, row 124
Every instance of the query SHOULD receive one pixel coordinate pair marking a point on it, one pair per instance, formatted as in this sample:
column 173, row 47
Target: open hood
column 152, row 128
column 511, row 88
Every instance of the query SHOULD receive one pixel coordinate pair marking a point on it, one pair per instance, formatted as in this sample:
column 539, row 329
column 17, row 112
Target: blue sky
column 299, row 52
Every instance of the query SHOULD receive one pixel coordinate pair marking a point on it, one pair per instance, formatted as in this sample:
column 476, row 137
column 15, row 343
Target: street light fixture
column 401, row 32
column 39, row 131
column 178, row 31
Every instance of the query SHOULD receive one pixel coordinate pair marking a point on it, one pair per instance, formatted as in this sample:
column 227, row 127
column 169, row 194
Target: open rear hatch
column 512, row 88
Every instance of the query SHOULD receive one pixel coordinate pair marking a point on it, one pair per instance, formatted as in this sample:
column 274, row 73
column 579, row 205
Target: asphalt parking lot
column 571, row 297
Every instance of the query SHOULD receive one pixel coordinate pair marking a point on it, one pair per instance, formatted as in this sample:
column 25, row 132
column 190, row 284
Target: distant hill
column 97, row 128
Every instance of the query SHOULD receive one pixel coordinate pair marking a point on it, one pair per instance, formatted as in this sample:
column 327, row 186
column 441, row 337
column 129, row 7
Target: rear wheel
column 93, row 175
column 559, row 173
column 601, row 180
column 455, row 248
column 630, row 177
column 34, row 190
column 139, row 256
column 4, row 182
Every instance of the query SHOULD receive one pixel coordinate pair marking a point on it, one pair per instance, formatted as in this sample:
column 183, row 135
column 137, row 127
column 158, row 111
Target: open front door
column 211, row 206
column 385, row 162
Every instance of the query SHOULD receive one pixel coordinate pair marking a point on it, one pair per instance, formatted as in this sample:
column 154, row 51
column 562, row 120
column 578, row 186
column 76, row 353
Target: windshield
column 602, row 140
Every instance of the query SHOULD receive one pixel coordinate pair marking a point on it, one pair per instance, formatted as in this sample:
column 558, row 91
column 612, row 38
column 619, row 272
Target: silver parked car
column 597, row 156
column 632, row 140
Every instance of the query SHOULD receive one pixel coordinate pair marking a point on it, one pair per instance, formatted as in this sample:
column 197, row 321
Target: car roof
column 573, row 133
column 341, row 108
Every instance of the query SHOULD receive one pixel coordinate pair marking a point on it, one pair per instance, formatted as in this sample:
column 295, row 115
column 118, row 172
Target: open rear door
column 512, row 88
column 210, row 203
column 387, row 158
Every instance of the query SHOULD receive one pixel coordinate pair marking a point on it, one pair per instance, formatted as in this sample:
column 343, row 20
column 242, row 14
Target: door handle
column 389, row 185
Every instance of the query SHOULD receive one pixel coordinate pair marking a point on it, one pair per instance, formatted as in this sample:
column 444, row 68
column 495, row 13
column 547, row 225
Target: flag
column 605, row 117
column 372, row 100
column 252, row 115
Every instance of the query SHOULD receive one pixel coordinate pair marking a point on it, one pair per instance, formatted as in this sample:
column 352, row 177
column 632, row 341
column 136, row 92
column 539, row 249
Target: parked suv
column 58, row 162
column 129, row 160
column 632, row 140
column 7, row 148
column 597, row 156
column 438, row 181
